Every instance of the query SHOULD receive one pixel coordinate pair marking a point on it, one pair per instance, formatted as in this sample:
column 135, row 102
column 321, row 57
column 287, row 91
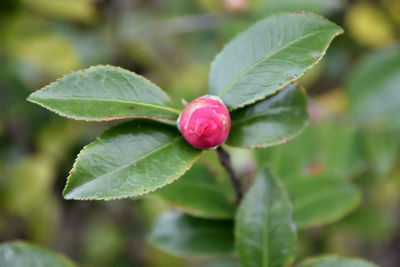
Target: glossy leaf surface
column 268, row 56
column 130, row 160
column 105, row 93
column 199, row 194
column 265, row 233
column 272, row 121
column 183, row 235
column 20, row 254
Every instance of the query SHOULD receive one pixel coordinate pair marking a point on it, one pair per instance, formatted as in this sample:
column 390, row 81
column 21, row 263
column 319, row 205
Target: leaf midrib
column 157, row 149
column 270, row 54
column 108, row 100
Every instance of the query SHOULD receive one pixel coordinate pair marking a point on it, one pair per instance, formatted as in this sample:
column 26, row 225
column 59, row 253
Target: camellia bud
column 205, row 122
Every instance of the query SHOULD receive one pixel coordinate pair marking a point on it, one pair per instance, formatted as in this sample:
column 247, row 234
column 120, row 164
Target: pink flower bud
column 205, row 122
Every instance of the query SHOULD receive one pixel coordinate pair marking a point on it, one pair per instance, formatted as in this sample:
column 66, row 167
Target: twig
column 225, row 160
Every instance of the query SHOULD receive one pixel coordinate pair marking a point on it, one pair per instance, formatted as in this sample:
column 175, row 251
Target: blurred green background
column 173, row 43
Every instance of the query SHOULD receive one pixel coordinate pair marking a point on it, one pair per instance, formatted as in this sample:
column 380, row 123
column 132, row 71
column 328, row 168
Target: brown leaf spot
column 110, row 118
column 283, row 140
column 315, row 168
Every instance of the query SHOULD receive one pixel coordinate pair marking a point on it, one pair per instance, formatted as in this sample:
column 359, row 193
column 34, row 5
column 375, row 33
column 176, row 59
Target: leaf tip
column 66, row 194
column 31, row 98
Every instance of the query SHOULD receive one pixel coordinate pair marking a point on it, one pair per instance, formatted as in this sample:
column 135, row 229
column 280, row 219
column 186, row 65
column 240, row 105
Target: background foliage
column 352, row 144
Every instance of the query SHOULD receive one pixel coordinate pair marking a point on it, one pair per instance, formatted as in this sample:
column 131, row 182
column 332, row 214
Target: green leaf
column 316, row 168
column 373, row 90
column 339, row 149
column 130, row 160
column 183, row 235
column 21, row 254
column 321, row 199
column 265, row 233
column 199, row 194
column 105, row 93
column 382, row 149
column 272, row 121
column 268, row 56
column 335, row 261
column 327, row 148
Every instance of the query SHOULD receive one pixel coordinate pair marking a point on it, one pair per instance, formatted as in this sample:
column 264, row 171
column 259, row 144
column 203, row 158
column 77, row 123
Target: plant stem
column 225, row 160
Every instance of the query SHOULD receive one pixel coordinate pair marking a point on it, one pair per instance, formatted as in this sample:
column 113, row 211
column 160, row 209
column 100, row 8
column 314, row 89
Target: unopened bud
column 205, row 122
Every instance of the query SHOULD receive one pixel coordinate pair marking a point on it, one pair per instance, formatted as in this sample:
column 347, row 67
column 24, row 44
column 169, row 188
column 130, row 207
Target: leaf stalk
column 225, row 160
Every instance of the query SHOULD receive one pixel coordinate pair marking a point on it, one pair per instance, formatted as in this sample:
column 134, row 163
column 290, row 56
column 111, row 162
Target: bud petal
column 205, row 122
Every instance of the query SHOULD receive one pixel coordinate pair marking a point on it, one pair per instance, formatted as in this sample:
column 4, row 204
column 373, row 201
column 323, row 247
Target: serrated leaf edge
column 109, row 118
column 339, row 32
column 169, row 180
